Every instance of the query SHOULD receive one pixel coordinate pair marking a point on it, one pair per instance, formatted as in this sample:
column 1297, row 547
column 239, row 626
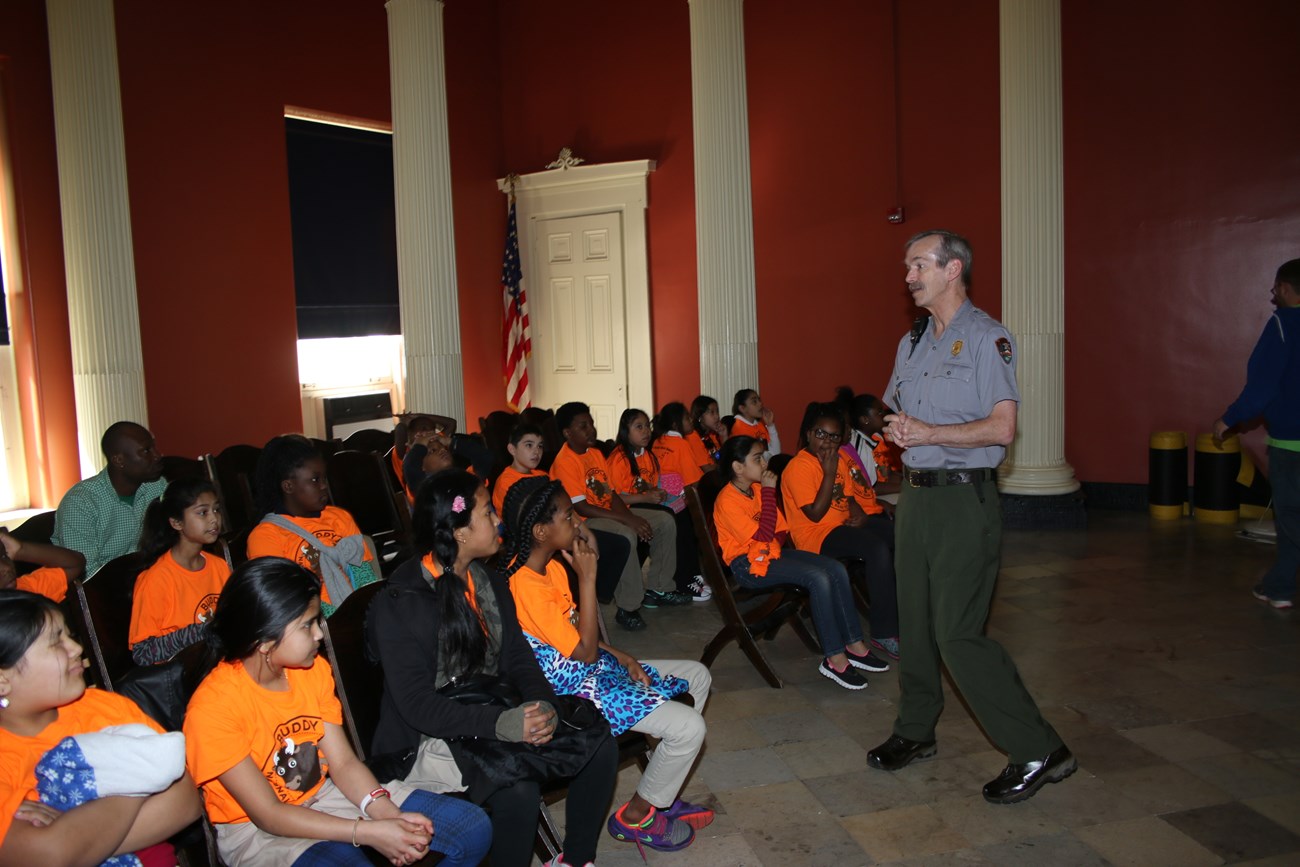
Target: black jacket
column 402, row 632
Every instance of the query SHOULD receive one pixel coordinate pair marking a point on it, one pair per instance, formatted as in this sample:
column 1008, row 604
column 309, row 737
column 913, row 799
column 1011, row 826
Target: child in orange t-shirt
column 751, row 530
column 677, row 469
column 707, row 432
column 526, row 447
column 865, row 443
column 541, row 521
column 43, row 700
column 752, row 419
column 175, row 597
column 264, row 739
column 299, row 524
column 59, row 567
column 833, row 511
column 585, row 474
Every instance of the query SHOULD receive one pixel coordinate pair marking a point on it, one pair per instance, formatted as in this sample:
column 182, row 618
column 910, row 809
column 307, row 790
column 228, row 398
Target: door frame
column 580, row 191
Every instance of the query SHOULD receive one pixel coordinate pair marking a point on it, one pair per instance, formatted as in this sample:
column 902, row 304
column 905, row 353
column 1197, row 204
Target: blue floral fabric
column 65, row 779
column 621, row 700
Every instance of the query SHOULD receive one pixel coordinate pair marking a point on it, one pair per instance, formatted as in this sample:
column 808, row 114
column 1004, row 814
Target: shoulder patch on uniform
column 1004, row 349
column 956, row 348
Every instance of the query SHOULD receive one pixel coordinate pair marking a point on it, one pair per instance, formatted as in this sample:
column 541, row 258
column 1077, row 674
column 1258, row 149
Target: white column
column 724, row 230
column 426, row 239
column 103, row 315
column 1033, row 243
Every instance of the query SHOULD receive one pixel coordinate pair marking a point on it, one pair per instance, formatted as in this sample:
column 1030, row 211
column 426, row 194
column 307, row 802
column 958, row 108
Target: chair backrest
column 233, row 471
column 38, row 528
column 359, row 483
column 358, row 680
column 177, row 469
column 326, row 447
column 369, row 440
column 105, row 601
column 495, row 428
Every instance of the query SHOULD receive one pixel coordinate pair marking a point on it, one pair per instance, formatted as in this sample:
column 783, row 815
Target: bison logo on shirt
column 206, row 608
column 598, row 485
column 297, row 765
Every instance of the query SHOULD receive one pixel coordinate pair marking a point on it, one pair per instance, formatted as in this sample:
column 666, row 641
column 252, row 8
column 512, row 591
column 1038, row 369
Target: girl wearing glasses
column 833, row 512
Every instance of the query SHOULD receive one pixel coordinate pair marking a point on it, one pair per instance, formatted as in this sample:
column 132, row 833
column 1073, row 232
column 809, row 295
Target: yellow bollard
column 1215, row 495
column 1167, row 474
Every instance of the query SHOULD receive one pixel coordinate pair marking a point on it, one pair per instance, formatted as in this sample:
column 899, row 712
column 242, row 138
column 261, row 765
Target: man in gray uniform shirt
column 954, row 395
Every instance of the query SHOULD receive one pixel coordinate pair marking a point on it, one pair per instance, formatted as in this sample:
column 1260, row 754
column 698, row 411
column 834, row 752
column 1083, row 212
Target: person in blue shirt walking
column 1273, row 391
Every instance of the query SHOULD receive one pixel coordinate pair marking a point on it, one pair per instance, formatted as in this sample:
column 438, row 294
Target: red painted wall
column 1182, row 189
column 203, row 98
column 613, row 82
column 823, row 139
column 1182, row 196
column 40, row 313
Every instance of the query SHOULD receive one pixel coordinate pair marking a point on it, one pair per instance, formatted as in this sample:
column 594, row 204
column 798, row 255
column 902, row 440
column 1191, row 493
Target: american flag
column 516, row 338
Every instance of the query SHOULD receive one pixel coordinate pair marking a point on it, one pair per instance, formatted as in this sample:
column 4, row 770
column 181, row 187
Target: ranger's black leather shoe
column 898, row 752
column 1018, row 782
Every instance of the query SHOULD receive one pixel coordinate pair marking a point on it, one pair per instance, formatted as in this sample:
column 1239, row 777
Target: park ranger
column 954, row 396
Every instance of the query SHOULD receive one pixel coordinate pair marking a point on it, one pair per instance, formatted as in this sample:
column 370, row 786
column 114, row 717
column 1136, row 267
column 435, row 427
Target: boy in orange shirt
column 582, row 469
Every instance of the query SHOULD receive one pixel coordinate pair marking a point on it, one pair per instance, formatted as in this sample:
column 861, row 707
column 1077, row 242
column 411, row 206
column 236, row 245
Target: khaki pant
column 663, row 557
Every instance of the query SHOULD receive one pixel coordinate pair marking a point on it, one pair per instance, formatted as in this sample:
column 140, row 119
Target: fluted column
column 103, row 315
column 724, row 229
column 426, row 240
column 1033, row 243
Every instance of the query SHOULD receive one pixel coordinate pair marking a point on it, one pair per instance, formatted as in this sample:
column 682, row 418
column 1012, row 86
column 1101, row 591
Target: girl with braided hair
column 444, row 619
column 632, row 695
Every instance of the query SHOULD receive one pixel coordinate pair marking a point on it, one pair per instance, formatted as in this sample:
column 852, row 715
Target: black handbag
column 487, row 765
column 482, row 689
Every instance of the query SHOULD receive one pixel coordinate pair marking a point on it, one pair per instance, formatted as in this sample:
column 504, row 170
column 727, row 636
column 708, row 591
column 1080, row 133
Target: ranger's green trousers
column 948, row 545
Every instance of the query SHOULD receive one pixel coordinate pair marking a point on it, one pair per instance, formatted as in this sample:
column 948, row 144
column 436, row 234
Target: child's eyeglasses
column 823, row 435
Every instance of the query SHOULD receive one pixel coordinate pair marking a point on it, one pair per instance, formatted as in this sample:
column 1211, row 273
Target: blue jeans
column 1284, row 475
column 827, row 583
column 461, row 831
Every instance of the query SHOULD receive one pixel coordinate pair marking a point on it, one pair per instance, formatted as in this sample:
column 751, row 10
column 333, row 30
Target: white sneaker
column 699, row 589
column 558, row 861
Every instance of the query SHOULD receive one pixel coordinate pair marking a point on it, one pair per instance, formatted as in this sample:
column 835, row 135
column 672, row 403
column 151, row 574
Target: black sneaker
column 848, row 678
column 629, row 620
column 661, row 598
column 867, row 662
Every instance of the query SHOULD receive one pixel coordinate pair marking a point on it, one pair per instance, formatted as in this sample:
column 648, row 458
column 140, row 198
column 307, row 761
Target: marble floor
column 1177, row 691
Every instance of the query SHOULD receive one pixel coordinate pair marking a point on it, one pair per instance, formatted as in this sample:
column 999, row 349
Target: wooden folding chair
column 359, row 483
column 232, row 472
column 358, row 680
column 495, row 428
column 369, row 440
column 177, row 469
column 104, row 614
column 770, row 606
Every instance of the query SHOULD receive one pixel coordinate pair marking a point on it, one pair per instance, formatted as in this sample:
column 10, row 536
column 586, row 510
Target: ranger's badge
column 1004, row 349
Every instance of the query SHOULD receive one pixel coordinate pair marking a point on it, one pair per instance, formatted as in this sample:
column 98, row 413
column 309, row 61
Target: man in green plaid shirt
column 101, row 516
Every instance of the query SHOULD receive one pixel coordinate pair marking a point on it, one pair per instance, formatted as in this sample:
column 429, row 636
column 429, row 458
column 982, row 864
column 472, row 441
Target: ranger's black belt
column 939, row 478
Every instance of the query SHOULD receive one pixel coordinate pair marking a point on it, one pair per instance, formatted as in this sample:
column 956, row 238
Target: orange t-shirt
column 888, row 459
column 95, row 710
column 736, row 518
column 585, row 476
column 620, row 472
column 700, row 453
column 231, row 718
column 49, row 581
column 502, row 485
column 545, row 606
column 169, row 597
column 268, row 540
column 675, row 456
column 799, row 484
column 743, row 427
